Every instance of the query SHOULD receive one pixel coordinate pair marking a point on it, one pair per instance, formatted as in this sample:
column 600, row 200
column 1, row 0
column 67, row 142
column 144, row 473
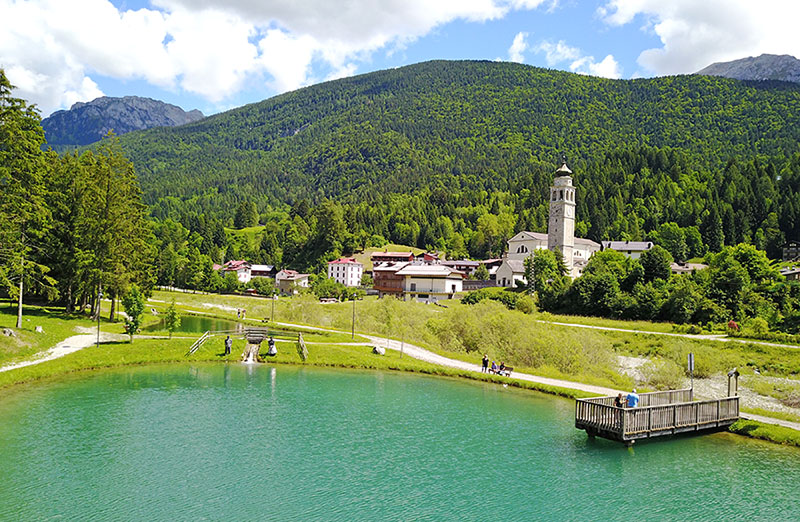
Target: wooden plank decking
column 658, row 414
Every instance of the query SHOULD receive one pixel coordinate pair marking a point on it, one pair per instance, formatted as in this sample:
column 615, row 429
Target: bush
column 526, row 304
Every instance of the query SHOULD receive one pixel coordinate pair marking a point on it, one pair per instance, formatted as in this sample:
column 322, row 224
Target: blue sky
column 217, row 54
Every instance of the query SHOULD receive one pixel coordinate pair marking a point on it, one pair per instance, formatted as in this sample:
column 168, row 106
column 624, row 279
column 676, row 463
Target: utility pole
column 272, row 316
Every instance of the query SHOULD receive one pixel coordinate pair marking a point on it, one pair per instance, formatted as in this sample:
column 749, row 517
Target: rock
column 38, row 329
column 783, row 68
column 379, row 350
column 86, row 123
column 8, row 332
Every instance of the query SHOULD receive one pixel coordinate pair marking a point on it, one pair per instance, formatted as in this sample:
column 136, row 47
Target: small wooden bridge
column 658, row 414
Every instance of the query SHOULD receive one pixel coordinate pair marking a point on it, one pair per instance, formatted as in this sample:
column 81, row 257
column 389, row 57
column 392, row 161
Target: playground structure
column 254, row 337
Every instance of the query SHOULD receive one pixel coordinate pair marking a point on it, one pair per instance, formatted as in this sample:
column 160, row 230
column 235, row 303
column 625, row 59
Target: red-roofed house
column 241, row 268
column 288, row 281
column 346, row 270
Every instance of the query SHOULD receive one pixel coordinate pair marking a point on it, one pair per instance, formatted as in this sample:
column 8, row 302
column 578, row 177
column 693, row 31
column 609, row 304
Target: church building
column 560, row 235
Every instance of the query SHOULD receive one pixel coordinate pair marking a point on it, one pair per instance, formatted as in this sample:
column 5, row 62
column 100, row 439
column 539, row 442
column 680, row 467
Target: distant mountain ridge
column 783, row 68
column 88, row 122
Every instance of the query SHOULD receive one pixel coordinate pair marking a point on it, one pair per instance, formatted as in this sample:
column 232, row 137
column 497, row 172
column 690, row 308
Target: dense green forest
column 457, row 156
column 451, row 156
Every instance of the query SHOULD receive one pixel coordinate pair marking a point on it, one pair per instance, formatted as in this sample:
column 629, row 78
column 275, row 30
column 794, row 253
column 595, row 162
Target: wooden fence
column 658, row 413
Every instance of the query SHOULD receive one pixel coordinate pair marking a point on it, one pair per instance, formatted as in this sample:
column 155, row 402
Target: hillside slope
column 86, row 123
column 462, row 125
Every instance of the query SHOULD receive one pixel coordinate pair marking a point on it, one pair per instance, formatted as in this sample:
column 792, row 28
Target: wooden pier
column 658, row 414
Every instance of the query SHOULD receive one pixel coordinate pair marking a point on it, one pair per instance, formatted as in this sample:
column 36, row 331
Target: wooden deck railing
column 656, row 416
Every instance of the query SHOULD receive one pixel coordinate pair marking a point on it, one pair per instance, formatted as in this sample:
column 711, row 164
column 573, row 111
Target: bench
column 505, row 371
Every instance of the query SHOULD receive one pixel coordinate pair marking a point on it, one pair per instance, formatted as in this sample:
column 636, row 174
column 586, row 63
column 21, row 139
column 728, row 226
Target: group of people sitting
column 627, row 401
column 497, row 370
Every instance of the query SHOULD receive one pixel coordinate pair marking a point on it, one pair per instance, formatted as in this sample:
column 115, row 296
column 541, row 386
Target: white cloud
column 52, row 49
column 695, row 33
column 518, row 47
column 555, row 53
column 607, row 68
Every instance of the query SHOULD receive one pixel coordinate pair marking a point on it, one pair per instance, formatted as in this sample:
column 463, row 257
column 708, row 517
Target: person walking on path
column 228, row 345
column 485, row 363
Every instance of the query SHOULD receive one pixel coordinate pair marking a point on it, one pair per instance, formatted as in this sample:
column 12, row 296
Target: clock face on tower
column 568, row 212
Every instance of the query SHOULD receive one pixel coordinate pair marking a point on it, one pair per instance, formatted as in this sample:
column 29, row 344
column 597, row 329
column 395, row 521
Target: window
column 522, row 249
column 413, row 287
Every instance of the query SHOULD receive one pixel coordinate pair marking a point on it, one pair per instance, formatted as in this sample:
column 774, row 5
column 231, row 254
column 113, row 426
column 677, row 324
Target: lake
column 195, row 324
column 240, row 442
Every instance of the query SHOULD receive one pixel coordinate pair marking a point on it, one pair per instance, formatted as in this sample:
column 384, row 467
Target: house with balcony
column 430, row 283
column 385, row 279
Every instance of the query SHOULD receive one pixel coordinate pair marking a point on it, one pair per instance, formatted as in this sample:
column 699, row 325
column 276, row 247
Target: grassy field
column 645, row 326
column 57, row 326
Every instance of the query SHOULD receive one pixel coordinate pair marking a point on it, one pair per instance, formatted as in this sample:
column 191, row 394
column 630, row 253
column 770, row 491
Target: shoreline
column 751, row 426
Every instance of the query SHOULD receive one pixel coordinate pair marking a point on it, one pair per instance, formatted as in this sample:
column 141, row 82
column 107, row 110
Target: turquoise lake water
column 236, row 442
column 196, row 324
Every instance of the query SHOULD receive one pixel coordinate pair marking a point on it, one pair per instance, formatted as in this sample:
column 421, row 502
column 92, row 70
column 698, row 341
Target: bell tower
column 561, row 227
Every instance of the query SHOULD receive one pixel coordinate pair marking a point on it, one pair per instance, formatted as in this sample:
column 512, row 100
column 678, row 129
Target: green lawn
column 57, row 326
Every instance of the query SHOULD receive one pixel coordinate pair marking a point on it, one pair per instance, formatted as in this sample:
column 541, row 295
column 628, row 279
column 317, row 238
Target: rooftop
column 429, row 271
column 344, row 261
column 640, row 246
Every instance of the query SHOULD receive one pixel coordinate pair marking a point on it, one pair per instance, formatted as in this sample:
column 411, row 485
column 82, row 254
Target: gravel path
column 67, row 346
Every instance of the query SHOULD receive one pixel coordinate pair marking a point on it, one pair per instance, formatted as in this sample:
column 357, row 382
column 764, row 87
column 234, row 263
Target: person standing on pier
column 633, row 399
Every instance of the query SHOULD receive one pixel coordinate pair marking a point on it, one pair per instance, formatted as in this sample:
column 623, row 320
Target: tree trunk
column 84, row 302
column 19, row 304
column 70, row 305
column 113, row 308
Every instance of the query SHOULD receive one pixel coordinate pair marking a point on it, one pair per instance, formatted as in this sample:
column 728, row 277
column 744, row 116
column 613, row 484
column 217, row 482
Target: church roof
column 563, row 170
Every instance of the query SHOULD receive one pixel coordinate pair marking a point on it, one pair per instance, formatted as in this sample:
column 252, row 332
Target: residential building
column 511, row 271
column 791, row 273
column 263, row 271
column 430, row 283
column 385, row 278
column 466, row 266
column 289, row 281
column 346, row 270
column 240, row 268
column 632, row 249
column 391, row 257
column 791, row 251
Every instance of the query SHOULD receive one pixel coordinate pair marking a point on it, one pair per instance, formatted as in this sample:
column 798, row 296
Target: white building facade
column 346, row 270
column 430, row 283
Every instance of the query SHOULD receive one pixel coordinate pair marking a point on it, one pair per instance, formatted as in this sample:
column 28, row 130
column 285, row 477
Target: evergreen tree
column 24, row 214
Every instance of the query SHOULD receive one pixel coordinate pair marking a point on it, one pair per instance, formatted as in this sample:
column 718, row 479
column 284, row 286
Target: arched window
column 560, row 195
column 522, row 249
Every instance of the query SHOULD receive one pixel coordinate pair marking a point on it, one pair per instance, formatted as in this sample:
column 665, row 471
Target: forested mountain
column 86, row 123
column 459, row 155
column 783, row 68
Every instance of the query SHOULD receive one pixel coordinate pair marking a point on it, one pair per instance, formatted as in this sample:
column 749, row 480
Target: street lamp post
column 272, row 315
column 99, row 297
